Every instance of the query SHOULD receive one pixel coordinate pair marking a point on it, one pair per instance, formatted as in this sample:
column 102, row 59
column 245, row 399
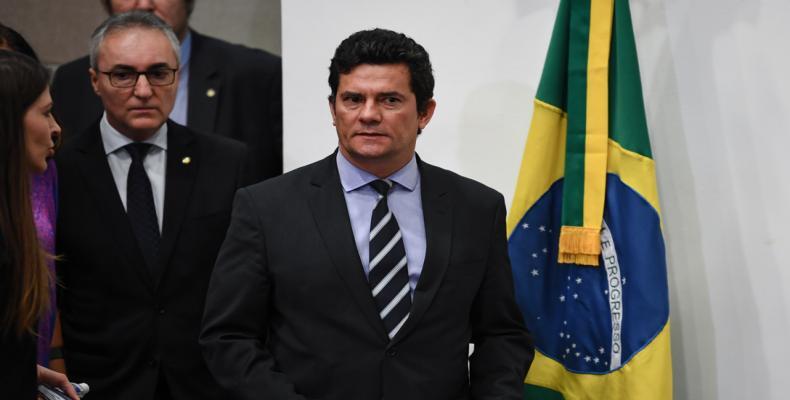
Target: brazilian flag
column 584, row 229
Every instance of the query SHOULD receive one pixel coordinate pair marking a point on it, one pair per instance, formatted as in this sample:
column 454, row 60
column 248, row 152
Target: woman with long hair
column 43, row 193
column 26, row 131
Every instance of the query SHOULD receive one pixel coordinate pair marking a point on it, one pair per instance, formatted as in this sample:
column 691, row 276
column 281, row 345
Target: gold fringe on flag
column 579, row 245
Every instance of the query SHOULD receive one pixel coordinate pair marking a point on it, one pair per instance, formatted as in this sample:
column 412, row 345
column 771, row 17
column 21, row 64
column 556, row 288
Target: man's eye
column 353, row 99
column 123, row 75
column 158, row 73
column 391, row 100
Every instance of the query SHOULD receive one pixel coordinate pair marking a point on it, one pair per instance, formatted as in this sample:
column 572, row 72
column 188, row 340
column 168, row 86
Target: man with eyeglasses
column 144, row 206
column 224, row 88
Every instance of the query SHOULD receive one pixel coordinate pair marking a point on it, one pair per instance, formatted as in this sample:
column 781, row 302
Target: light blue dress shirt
column 179, row 113
column 405, row 202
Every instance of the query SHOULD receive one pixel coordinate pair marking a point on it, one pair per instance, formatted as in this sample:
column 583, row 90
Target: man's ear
column 426, row 116
column 94, row 80
column 331, row 101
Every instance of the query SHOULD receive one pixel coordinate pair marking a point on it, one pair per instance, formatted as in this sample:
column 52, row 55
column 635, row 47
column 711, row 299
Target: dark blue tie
column 140, row 206
column 388, row 275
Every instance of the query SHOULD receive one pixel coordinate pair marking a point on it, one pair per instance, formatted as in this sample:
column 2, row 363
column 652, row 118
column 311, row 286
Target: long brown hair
column 24, row 276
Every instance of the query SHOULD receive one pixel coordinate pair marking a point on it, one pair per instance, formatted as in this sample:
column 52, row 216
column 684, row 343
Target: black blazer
column 234, row 91
column 123, row 327
column 17, row 353
column 289, row 313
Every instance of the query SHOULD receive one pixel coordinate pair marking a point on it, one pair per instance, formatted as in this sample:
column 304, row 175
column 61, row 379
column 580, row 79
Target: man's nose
column 370, row 112
column 142, row 88
column 145, row 5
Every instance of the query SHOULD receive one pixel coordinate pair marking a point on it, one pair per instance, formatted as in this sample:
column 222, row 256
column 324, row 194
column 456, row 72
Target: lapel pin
column 186, row 160
column 211, row 93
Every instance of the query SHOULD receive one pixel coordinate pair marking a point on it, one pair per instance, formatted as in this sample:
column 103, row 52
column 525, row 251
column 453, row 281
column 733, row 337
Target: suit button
column 161, row 311
column 392, row 352
column 153, row 362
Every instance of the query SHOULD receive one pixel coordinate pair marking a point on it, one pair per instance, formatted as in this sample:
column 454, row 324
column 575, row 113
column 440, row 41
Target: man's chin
column 141, row 129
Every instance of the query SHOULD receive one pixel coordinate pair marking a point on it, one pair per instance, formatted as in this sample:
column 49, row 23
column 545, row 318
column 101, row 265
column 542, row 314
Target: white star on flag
column 535, row 272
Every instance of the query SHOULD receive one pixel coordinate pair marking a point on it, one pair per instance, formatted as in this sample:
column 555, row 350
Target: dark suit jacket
column 246, row 105
column 17, row 353
column 289, row 313
column 123, row 327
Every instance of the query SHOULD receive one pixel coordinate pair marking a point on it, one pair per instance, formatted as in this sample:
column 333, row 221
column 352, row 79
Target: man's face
column 375, row 114
column 173, row 12
column 137, row 111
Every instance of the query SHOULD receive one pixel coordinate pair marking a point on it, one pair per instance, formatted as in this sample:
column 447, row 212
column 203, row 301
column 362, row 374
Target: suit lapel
column 331, row 216
column 204, row 87
column 180, row 175
column 101, row 186
column 438, row 212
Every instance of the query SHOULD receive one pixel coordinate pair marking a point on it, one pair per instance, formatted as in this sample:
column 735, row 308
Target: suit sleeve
column 503, row 348
column 236, row 316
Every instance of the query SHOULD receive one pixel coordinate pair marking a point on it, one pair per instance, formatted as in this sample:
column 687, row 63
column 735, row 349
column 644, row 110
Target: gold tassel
column 579, row 245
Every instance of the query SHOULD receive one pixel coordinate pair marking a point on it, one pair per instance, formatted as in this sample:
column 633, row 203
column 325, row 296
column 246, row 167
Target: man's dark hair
column 381, row 46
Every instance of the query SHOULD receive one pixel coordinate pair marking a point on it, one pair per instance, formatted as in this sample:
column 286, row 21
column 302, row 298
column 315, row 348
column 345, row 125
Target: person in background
column 43, row 193
column 12, row 40
column 224, row 89
column 144, row 204
column 26, row 131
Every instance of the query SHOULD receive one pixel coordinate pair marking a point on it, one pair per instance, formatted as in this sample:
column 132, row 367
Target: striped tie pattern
column 140, row 205
column 388, row 275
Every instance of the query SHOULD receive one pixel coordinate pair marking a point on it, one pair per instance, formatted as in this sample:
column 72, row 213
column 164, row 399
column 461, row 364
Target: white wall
column 718, row 108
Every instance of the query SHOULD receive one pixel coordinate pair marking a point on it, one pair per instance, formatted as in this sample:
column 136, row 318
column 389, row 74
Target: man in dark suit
column 366, row 275
column 227, row 89
column 144, row 206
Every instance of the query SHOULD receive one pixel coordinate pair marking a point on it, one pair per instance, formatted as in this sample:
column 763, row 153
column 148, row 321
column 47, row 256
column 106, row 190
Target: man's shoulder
column 212, row 144
column 232, row 54
column 297, row 180
column 81, row 142
column 454, row 182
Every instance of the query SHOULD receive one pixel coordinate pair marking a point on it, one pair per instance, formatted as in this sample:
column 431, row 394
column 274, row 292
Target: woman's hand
column 56, row 379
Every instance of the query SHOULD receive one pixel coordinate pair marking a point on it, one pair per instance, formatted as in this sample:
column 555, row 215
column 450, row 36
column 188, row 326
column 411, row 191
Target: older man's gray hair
column 128, row 20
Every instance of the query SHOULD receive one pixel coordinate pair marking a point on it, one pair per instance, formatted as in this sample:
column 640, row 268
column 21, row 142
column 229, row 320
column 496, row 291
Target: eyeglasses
column 126, row 78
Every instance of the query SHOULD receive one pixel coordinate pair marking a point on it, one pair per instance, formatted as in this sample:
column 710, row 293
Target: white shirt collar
column 114, row 140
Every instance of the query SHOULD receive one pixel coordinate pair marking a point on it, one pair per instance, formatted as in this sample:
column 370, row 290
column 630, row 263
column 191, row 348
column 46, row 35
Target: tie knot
column 137, row 150
column 382, row 186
